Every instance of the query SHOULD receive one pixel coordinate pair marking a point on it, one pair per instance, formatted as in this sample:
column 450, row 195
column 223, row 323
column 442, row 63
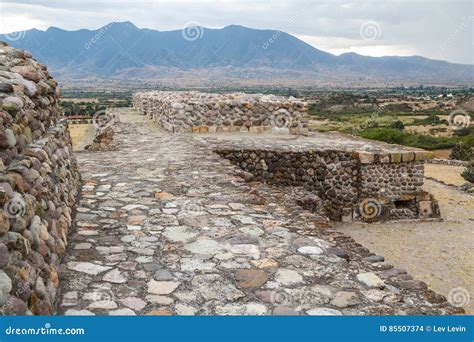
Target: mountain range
column 233, row 54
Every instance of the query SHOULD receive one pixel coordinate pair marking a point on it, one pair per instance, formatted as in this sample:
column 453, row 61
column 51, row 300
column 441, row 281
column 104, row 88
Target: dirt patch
column 445, row 173
column 438, row 253
column 81, row 135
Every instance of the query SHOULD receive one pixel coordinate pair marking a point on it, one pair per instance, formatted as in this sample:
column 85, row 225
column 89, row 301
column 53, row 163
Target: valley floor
column 166, row 226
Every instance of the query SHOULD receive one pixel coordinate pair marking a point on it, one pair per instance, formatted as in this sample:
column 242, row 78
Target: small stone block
column 195, row 129
column 303, row 130
column 408, row 156
column 346, row 215
column 212, row 129
column 243, row 129
column 424, row 155
column 366, row 158
column 203, row 129
column 395, row 157
column 255, row 129
column 384, row 158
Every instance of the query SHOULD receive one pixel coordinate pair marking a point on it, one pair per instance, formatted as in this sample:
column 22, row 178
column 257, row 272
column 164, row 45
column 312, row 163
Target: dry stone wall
column 38, row 185
column 238, row 112
column 352, row 185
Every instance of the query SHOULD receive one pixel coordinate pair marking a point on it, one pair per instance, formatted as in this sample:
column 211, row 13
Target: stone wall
column 351, row 185
column 238, row 112
column 38, row 185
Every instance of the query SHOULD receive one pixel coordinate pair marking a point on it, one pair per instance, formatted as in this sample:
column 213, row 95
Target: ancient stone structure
column 202, row 112
column 102, row 140
column 165, row 226
column 38, row 185
column 355, row 178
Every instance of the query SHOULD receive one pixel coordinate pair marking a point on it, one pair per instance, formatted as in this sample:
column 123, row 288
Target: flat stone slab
column 315, row 141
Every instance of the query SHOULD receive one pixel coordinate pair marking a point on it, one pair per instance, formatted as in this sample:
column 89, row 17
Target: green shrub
column 397, row 125
column 461, row 152
column 468, row 173
column 396, row 136
column 429, row 120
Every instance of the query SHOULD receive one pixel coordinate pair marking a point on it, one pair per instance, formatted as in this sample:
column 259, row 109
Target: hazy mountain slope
column 124, row 51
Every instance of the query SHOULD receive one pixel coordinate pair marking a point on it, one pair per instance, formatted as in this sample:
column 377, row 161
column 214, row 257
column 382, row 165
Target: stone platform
column 355, row 178
column 165, row 226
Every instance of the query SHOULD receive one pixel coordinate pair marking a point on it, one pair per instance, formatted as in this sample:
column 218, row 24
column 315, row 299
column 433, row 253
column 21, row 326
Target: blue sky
column 441, row 29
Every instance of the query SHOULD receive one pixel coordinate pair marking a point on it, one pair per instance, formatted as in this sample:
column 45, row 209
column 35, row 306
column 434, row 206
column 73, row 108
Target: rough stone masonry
column 38, row 185
column 179, row 111
column 355, row 179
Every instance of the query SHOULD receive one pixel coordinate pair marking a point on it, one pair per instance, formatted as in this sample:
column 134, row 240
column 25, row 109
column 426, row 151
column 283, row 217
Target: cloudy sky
column 439, row 29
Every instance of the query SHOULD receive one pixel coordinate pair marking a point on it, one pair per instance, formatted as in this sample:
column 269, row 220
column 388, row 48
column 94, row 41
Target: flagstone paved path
column 166, row 226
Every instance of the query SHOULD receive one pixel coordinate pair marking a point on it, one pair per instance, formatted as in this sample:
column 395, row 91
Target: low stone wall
column 353, row 186
column 38, row 185
column 202, row 112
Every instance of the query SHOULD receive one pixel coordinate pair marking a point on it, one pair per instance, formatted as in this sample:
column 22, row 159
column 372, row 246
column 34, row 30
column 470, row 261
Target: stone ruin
column 238, row 112
column 38, row 185
column 39, row 178
column 355, row 179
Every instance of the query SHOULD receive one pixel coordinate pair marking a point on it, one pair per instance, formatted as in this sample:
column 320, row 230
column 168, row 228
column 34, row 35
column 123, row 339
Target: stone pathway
column 166, row 226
